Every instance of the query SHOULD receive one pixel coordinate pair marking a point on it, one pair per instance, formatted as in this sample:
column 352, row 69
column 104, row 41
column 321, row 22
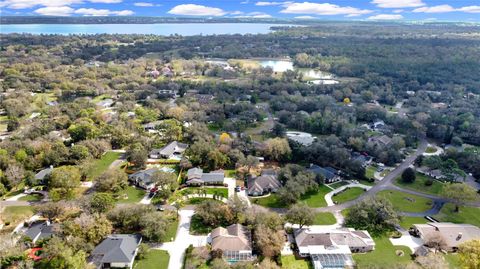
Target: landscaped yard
column 407, row 202
column 291, row 262
column 209, row 190
column 408, row 222
column 348, row 195
column 13, row 215
column 470, row 215
column 102, row 164
column 384, row 255
column 269, row 201
column 431, row 149
column 171, row 231
column 316, row 199
column 35, row 197
column 338, row 184
column 419, row 184
column 370, row 171
column 154, row 259
column 132, row 194
column 324, row 218
column 197, row 227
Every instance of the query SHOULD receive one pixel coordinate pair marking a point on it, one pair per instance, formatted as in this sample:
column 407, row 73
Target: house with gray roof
column 235, row 242
column 43, row 174
column 116, row 251
column 143, row 178
column 172, row 150
column 329, row 174
column 40, row 230
column 105, row 103
column 382, row 140
column 196, row 176
column 265, row 183
column 453, row 234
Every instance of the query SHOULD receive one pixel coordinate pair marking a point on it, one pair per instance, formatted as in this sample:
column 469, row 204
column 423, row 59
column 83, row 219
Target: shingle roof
column 454, row 234
column 233, row 238
column 144, row 176
column 117, row 248
column 262, row 183
column 43, row 173
column 170, row 148
column 41, row 229
column 327, row 173
column 347, row 237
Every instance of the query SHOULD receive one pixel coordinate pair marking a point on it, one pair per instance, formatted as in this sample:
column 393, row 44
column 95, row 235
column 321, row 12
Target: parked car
column 237, row 188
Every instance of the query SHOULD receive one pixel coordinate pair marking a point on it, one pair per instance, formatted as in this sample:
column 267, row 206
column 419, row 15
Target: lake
column 185, row 29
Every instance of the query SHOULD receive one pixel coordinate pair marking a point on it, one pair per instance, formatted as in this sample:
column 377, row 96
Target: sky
column 441, row 10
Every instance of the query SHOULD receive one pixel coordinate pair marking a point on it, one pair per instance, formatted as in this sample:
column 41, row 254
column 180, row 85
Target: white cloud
column 323, row 9
column 54, row 11
column 102, row 12
column 386, row 17
column 196, row 10
column 106, row 1
column 435, row 9
column 398, row 3
column 22, row 4
column 143, row 4
column 305, row 17
column 238, row 12
column 398, row 11
column 470, row 9
column 263, row 3
column 256, row 15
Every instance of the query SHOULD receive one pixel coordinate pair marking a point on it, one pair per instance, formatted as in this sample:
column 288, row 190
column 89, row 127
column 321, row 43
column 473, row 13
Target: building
column 453, row 234
column 43, row 174
column 235, row 242
column 265, row 183
column 196, row 176
column 305, row 139
column 116, row 251
column 329, row 174
column 105, row 103
column 151, row 126
column 363, row 159
column 382, row 140
column 172, row 150
column 143, row 178
column 332, row 248
column 40, row 230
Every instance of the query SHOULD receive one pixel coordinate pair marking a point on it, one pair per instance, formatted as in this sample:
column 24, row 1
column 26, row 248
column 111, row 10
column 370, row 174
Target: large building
column 332, row 248
column 453, row 234
column 235, row 242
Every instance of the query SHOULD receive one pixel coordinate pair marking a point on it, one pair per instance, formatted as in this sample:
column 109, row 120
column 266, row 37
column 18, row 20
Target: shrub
column 429, row 182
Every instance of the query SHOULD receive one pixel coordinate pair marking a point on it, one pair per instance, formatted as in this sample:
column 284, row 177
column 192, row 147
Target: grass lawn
column 470, row 215
column 365, row 182
column 269, row 201
column 230, row 173
column 370, row 171
column 154, row 259
column 316, row 199
column 198, row 200
column 171, row 231
column 291, row 262
column 453, row 260
column 408, row 222
column 15, row 214
column 339, row 184
column 102, row 164
column 35, row 197
column 210, row 190
column 419, row 184
column 384, row 255
column 430, row 149
column 348, row 195
column 324, row 218
column 407, row 202
column 133, row 194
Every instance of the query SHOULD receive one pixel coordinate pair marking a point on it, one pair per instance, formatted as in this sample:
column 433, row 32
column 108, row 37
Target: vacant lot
column 420, row 184
column 407, row 202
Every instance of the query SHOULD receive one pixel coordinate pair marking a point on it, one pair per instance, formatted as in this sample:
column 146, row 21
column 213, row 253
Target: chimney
column 459, row 236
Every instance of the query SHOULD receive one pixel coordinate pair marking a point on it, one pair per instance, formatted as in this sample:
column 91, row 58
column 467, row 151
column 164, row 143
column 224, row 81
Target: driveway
column 231, row 182
column 176, row 249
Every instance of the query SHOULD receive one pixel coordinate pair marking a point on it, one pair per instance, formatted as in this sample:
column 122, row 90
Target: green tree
column 408, row 175
column 56, row 254
column 51, row 210
column 459, row 193
column 101, row 202
column 63, row 181
column 137, row 154
column 469, row 253
column 300, row 214
column 112, row 180
column 269, row 242
column 166, row 182
column 277, row 149
column 216, row 159
column 375, row 215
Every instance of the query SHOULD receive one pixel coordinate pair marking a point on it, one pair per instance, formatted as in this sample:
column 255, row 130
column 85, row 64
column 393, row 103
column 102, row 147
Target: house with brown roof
column 452, row 233
column 332, row 248
column 235, row 242
column 266, row 183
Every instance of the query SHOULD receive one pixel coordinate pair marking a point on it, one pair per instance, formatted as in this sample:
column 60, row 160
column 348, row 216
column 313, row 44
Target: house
column 172, row 150
column 363, row 159
column 302, row 138
column 329, row 174
column 265, row 183
column 235, row 242
column 40, row 230
column 452, row 233
column 105, row 103
column 116, row 251
column 382, row 140
column 196, row 176
column 43, row 174
column 151, row 126
column 332, row 248
column 143, row 178
column 378, row 125
column 167, row 72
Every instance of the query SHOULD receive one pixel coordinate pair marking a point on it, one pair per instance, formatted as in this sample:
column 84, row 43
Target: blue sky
column 450, row 10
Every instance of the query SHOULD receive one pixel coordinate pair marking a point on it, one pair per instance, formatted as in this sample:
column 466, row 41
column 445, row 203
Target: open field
column 406, row 202
column 419, row 184
column 348, row 195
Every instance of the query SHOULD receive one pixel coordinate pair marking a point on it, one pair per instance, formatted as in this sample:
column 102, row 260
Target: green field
column 419, row 185
column 13, row 215
column 430, row 149
column 383, row 256
column 324, row 218
column 316, row 199
column 269, row 201
column 406, row 202
column 408, row 222
column 35, row 197
column 291, row 262
column 348, row 195
column 338, row 184
column 470, row 215
column 134, row 195
column 102, row 164
column 370, row 171
column 210, row 190
column 171, row 231
column 154, row 259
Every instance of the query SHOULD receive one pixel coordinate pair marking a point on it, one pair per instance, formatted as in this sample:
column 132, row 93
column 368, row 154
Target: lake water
column 317, row 77
column 277, row 65
column 185, row 29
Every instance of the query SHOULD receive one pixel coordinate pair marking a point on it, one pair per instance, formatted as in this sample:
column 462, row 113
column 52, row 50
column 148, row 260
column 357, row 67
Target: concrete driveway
column 176, row 249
